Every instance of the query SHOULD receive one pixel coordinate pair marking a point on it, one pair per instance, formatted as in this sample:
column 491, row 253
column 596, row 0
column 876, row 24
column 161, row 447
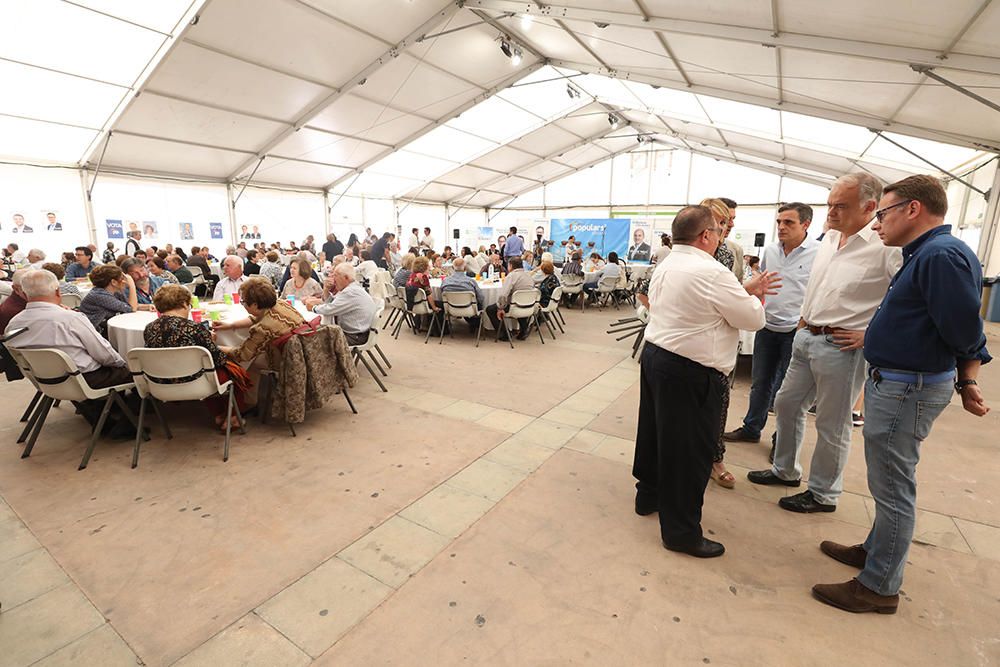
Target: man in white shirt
column 850, row 276
column 36, row 258
column 232, row 278
column 792, row 258
column 414, row 240
column 352, row 306
column 696, row 309
column 427, row 243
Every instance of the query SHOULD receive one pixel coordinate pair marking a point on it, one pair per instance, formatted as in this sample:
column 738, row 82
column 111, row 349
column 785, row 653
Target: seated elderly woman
column 550, row 281
column 174, row 329
column 157, row 266
column 269, row 320
column 272, row 268
column 438, row 269
column 302, row 285
column 114, row 293
column 399, row 280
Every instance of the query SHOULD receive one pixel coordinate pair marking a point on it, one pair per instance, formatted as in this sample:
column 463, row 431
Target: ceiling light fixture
column 515, row 59
column 613, row 120
column 505, row 47
column 572, row 92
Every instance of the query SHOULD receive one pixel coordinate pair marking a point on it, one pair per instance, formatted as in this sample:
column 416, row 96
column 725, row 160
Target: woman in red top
column 419, row 278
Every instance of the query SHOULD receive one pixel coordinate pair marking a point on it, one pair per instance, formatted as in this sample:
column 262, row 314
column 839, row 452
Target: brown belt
column 820, row 331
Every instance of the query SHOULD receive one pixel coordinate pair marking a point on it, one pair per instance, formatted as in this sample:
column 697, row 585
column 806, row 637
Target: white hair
column 547, row 257
column 459, row 264
column 39, row 283
column 346, row 270
column 37, row 253
column 869, row 187
column 19, row 276
column 233, row 257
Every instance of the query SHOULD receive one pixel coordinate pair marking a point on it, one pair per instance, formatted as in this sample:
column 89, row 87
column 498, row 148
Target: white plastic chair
column 551, row 312
column 173, row 374
column 190, row 287
column 421, row 306
column 59, row 379
column 606, row 290
column 397, row 307
column 461, row 304
column 71, row 300
column 358, row 352
column 523, row 305
column 573, row 284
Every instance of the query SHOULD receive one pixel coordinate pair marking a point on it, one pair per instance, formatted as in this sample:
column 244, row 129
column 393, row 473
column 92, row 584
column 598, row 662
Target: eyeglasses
column 880, row 214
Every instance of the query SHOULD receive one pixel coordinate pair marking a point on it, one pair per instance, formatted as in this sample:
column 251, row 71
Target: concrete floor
column 478, row 513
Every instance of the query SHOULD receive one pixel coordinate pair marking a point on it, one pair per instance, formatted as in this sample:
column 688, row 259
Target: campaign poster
column 149, row 229
column 640, row 240
column 115, row 229
column 187, row 231
column 132, row 229
column 52, row 221
column 600, row 235
column 248, row 233
column 215, row 228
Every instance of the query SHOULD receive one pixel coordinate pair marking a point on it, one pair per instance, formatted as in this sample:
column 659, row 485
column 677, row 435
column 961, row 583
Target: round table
column 125, row 331
column 491, row 291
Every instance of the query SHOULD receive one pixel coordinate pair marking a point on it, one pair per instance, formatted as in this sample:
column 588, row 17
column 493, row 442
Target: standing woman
column 725, row 256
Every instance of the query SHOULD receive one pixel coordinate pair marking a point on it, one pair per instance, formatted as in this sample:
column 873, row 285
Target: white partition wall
column 35, row 192
column 280, row 215
column 183, row 214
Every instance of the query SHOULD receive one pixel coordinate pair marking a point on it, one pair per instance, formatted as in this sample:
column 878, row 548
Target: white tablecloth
column 125, row 331
column 491, row 291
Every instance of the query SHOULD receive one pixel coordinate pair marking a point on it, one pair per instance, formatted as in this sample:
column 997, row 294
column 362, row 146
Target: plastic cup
column 195, row 303
column 196, row 315
column 236, row 298
column 228, row 299
column 213, row 315
column 291, row 299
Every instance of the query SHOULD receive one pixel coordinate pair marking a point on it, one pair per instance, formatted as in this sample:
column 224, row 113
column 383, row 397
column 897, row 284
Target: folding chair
column 358, row 352
column 397, row 307
column 572, row 284
column 421, row 306
column 523, row 305
column 550, row 313
column 606, row 290
column 71, row 300
column 13, row 371
column 59, row 379
column 462, row 304
column 171, row 374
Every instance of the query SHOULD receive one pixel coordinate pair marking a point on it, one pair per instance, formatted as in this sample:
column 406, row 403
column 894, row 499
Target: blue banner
column 114, row 229
column 606, row 234
column 216, row 229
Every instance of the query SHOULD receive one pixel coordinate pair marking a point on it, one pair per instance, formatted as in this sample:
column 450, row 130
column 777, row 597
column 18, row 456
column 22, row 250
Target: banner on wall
column 115, row 229
column 52, row 222
column 639, row 248
column 247, row 232
column 187, row 231
column 601, row 235
column 215, row 228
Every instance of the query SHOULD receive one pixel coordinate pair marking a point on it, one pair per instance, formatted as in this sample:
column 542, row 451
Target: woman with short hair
column 114, row 293
column 174, row 329
column 270, row 319
column 158, row 268
column 272, row 269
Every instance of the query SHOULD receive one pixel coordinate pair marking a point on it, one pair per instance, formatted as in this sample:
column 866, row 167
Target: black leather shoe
column 644, row 505
column 768, row 478
column 804, row 503
column 701, row 549
column 739, row 435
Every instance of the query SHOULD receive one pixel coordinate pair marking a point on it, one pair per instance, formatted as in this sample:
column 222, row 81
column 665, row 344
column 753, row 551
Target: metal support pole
column 100, row 160
column 88, row 208
column 247, row 182
column 925, row 160
column 989, row 238
column 929, row 73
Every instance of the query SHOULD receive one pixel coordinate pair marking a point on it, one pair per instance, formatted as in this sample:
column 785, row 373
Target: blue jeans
column 772, row 350
column 898, row 416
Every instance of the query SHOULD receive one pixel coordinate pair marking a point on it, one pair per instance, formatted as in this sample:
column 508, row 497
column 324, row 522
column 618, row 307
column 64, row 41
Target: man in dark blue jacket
column 927, row 329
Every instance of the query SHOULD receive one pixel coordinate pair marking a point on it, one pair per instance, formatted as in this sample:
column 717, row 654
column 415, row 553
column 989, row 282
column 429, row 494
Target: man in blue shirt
column 145, row 284
column 927, row 325
column 792, row 258
column 514, row 246
column 83, row 265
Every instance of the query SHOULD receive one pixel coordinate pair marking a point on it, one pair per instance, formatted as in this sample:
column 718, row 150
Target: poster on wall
column 20, row 227
column 639, row 249
column 247, row 233
column 600, row 235
column 187, row 231
column 132, row 229
column 215, row 228
column 115, row 229
column 52, row 222
column 149, row 229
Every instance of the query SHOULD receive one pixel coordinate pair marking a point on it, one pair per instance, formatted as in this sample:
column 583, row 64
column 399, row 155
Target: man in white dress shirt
column 850, row 276
column 427, row 243
column 232, row 278
column 696, row 309
column 352, row 306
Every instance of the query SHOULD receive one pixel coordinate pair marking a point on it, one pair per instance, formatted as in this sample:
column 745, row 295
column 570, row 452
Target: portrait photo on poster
column 187, row 231
column 149, row 229
column 18, row 225
column 53, row 223
column 639, row 249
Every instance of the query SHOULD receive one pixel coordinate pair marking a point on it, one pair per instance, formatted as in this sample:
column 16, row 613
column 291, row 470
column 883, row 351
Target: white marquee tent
column 459, row 115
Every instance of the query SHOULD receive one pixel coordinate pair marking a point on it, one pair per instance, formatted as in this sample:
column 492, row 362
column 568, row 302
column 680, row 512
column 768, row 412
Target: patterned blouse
column 272, row 271
column 274, row 323
column 546, row 287
column 100, row 305
column 172, row 331
column 725, row 256
column 309, row 288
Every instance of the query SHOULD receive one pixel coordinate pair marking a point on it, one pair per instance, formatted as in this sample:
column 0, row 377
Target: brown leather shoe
column 853, row 597
column 854, row 556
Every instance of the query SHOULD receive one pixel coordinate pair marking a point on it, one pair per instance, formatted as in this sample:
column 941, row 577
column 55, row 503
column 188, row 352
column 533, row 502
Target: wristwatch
column 962, row 384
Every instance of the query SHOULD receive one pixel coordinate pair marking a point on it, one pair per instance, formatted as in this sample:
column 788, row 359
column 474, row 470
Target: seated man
column 494, row 268
column 517, row 279
column 459, row 281
column 51, row 325
column 352, row 306
column 232, row 278
column 611, row 269
column 83, row 265
column 176, row 266
column 145, row 284
column 14, row 303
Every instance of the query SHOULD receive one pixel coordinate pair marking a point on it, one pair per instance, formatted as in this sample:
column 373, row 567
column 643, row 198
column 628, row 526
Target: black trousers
column 491, row 312
column 680, row 404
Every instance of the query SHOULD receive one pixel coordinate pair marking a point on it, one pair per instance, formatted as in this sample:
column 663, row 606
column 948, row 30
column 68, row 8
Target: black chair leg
column 349, row 401
column 377, row 364
column 384, row 358
column 127, row 411
column 31, row 407
column 36, row 423
column 98, row 429
column 372, row 373
column 138, row 431
column 229, row 424
column 31, row 422
column 163, row 422
column 538, row 327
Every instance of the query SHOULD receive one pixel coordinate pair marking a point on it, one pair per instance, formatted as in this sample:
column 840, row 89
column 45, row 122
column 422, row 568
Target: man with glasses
column 696, row 309
column 850, row 275
column 927, row 327
column 792, row 258
column 83, row 265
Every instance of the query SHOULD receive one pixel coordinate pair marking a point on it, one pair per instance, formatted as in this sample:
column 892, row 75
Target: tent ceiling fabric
column 327, row 94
